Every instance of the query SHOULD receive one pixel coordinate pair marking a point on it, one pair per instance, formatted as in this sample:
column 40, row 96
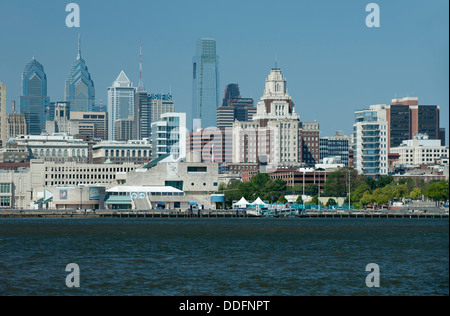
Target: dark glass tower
column 205, row 91
column 34, row 102
column 80, row 90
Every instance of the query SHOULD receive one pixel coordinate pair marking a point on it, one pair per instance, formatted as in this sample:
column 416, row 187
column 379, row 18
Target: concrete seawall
column 209, row 214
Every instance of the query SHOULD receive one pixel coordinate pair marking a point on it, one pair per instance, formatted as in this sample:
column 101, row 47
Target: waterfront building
column 420, row 151
column 34, row 102
column 406, row 119
column 132, row 151
column 370, row 136
column 3, row 125
column 120, row 102
column 79, row 88
column 169, row 136
column 192, row 183
column 71, row 173
column 15, row 188
column 205, row 90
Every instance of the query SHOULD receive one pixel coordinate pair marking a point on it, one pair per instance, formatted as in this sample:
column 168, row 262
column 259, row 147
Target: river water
column 224, row 256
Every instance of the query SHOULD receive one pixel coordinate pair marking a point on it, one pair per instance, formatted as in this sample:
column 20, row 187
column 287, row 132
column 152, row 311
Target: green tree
column 416, row 193
column 282, row 199
column 331, row 202
column 438, row 191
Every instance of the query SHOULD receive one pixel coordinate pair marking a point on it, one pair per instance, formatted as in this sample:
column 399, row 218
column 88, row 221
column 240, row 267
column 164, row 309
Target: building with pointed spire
column 275, row 135
column 34, row 102
column 80, row 90
column 120, row 102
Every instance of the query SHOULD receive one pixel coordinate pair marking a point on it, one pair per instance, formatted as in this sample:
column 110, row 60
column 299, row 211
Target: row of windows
column 127, row 153
column 59, row 153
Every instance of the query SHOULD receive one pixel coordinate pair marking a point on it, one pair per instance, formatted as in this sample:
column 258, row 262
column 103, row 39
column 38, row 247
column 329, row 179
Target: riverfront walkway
column 212, row 214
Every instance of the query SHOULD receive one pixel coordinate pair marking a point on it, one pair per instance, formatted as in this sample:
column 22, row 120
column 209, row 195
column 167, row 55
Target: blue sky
column 333, row 62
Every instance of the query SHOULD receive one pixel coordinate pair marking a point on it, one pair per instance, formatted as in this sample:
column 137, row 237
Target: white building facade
column 370, row 136
column 420, row 151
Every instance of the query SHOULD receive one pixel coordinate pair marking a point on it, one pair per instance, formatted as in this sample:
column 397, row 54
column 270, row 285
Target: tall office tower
column 3, row 128
column 160, row 104
column 406, row 119
column 120, row 101
column 169, row 136
column 205, row 90
column 142, row 115
column 34, row 102
column 234, row 107
column 80, row 90
column 371, row 141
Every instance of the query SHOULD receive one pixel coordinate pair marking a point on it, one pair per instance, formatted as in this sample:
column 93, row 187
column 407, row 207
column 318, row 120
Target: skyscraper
column 80, row 90
column 2, row 114
column 234, row 107
column 205, row 90
column 120, row 101
column 34, row 102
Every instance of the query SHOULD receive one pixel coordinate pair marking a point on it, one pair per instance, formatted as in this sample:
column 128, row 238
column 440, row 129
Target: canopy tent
column 258, row 201
column 241, row 204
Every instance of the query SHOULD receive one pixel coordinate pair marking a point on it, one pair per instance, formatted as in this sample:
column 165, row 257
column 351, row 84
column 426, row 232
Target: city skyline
column 330, row 57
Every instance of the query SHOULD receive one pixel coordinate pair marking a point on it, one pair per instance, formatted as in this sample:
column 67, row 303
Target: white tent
column 241, row 204
column 259, row 202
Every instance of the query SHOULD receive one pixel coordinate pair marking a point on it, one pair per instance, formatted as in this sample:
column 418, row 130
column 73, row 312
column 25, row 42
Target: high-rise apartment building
column 169, row 136
column 370, row 137
column 79, row 89
column 34, row 102
column 205, row 91
column 120, row 102
column 3, row 128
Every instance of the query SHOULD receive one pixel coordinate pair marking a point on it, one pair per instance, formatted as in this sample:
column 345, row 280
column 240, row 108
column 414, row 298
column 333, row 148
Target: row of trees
column 364, row 190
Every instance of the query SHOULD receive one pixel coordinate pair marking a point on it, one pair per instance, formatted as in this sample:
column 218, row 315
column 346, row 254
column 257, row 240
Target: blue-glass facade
column 34, row 102
column 205, row 91
column 80, row 90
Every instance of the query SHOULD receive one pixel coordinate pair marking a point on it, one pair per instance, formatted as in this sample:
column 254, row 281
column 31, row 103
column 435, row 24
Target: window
column 5, row 201
column 5, row 188
column 197, row 169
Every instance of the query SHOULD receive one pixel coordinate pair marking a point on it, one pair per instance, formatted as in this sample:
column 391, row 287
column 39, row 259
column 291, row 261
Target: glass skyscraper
column 34, row 102
column 80, row 91
column 120, row 102
column 205, row 91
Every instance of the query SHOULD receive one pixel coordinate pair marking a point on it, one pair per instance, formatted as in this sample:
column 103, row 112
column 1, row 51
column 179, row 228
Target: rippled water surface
column 270, row 257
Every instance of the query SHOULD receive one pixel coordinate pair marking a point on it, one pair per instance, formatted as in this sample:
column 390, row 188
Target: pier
column 211, row 214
